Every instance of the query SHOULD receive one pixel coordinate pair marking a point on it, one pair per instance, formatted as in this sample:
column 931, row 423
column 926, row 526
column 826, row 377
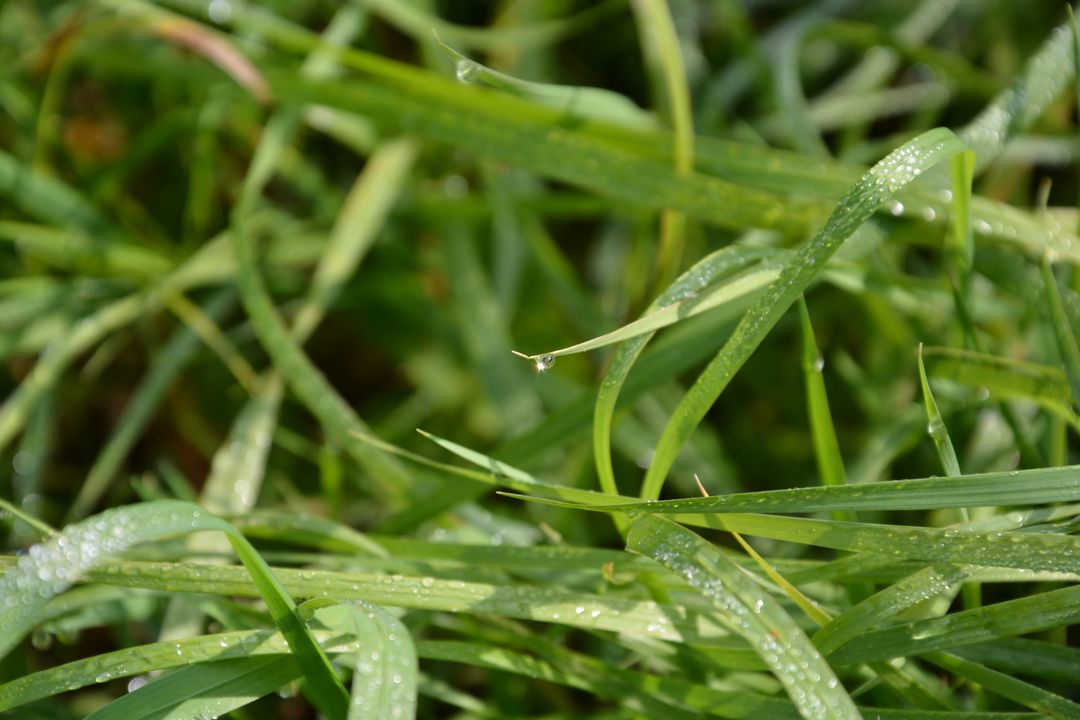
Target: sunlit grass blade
column 715, row 265
column 1015, row 487
column 632, row 617
column 878, row 185
column 750, row 612
column 1031, row 614
column 899, row 596
column 733, row 288
column 385, row 676
column 50, row 568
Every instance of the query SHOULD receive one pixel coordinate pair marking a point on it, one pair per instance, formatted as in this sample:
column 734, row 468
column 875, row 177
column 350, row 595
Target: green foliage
column 248, row 249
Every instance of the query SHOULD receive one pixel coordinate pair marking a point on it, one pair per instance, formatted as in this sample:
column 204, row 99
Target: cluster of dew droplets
column 49, row 568
column 385, row 660
column 798, row 666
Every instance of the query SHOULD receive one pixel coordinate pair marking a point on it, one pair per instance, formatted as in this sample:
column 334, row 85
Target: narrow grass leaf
column 998, row 683
column 1041, row 384
column 1031, row 614
column 1014, row 487
column 203, row 690
column 923, row 585
column 1066, row 341
column 750, row 612
column 731, row 289
column 936, row 427
column 573, row 101
column 826, row 448
column 878, row 185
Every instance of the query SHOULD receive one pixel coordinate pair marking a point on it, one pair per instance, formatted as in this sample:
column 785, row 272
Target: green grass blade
column 938, row 432
column 1015, row 487
column 999, row 683
column 205, row 690
column 1066, row 341
column 384, row 682
column 899, row 596
column 1034, row 613
column 719, row 264
column 573, row 101
column 632, row 617
column 750, row 612
column 303, row 377
column 878, row 185
column 1041, row 384
column 826, row 448
column 730, row 290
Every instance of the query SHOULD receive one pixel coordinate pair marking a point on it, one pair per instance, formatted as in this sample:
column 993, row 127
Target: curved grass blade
column 49, row 568
column 878, row 185
column 750, row 612
column 716, row 265
column 734, row 288
column 1046, row 74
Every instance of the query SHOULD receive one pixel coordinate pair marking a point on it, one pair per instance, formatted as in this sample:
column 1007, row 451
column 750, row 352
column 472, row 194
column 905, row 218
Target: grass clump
column 249, row 249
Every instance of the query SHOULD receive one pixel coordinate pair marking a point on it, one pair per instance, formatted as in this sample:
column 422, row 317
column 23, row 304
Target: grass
column 249, row 249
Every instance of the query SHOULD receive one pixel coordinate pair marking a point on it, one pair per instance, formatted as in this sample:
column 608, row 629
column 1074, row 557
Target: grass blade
column 750, row 612
column 878, row 185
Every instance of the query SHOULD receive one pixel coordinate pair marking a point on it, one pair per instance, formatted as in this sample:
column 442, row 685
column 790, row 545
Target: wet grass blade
column 1015, row 487
column 826, row 447
column 878, row 185
column 1066, row 341
column 50, row 567
column 750, row 612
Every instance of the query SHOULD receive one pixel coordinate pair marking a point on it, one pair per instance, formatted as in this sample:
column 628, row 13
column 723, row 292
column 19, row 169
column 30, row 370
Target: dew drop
column 467, row 72
column 545, row 362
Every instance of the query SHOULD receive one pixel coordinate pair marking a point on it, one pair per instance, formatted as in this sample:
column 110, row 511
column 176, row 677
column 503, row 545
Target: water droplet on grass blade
column 544, row 362
column 467, row 72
